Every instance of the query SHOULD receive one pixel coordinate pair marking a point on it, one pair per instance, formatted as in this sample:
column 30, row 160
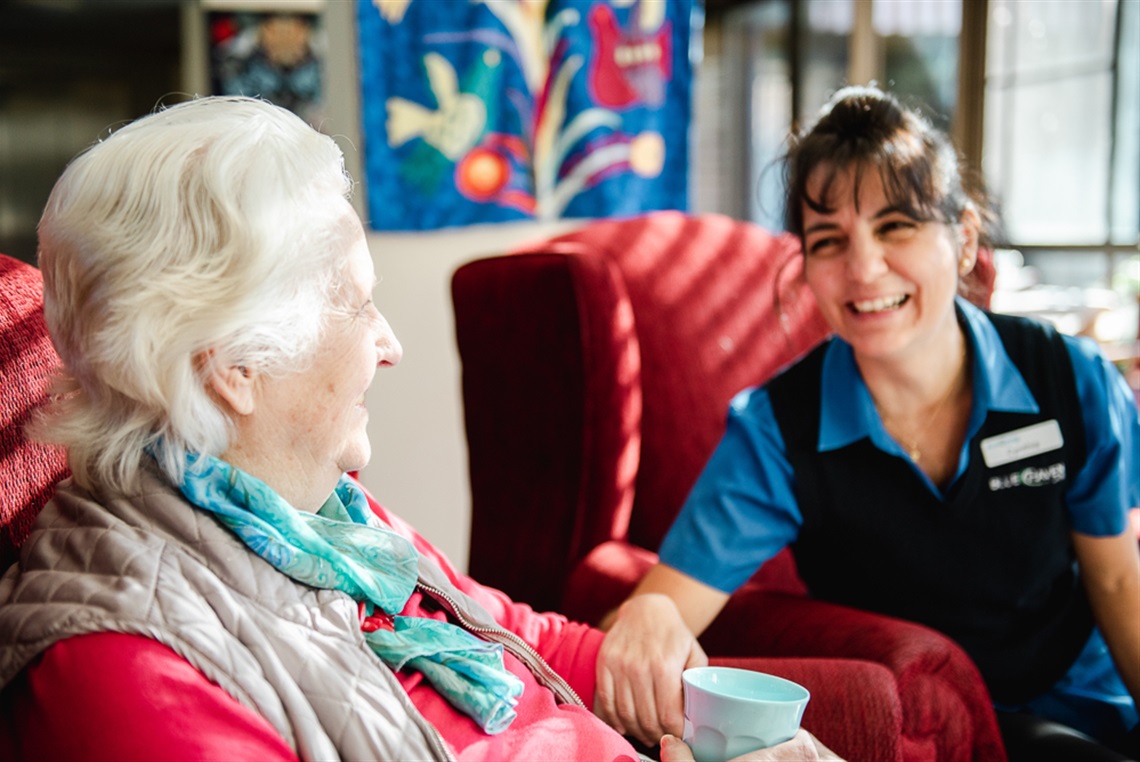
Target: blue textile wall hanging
column 494, row 110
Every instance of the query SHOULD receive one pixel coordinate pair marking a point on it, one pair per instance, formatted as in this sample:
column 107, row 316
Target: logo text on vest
column 1029, row 477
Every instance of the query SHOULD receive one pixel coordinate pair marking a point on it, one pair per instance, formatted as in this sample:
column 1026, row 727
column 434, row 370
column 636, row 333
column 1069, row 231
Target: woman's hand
column 639, row 668
column 651, row 641
column 803, row 747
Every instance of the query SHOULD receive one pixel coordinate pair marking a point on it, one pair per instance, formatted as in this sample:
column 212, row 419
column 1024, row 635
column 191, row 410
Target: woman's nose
column 866, row 258
column 388, row 348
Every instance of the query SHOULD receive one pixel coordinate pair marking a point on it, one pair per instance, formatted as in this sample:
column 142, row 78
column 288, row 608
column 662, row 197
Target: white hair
column 210, row 232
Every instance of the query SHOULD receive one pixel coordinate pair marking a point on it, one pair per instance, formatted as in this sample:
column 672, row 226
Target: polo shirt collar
column 847, row 412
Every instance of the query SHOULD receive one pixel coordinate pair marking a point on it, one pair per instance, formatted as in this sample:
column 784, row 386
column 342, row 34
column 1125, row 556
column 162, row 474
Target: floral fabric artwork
column 495, row 110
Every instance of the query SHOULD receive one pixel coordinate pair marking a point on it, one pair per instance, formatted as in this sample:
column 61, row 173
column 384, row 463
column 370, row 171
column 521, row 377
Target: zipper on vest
column 435, row 738
column 516, row 645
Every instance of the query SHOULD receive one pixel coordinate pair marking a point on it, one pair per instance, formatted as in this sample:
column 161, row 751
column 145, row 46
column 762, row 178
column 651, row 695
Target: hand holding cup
column 729, row 711
column 804, row 747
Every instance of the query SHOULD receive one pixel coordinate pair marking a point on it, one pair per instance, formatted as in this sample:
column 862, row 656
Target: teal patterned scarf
column 369, row 562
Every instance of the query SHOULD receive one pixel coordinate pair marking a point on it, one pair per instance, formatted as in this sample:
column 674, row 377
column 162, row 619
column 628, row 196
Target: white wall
column 419, row 450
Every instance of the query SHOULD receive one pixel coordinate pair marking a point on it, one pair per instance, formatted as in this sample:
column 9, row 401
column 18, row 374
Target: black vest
column 992, row 565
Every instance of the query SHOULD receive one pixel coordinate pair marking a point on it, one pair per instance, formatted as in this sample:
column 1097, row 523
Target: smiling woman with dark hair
column 935, row 462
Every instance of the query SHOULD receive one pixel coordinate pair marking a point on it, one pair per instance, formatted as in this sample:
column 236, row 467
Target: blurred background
column 1041, row 96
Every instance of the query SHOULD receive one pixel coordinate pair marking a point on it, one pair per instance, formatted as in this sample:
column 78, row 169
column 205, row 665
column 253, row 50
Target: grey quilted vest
column 153, row 565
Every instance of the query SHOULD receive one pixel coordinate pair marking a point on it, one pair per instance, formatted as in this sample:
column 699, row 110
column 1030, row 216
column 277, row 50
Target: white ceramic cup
column 730, row 711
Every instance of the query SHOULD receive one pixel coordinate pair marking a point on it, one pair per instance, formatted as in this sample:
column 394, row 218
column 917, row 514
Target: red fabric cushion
column 717, row 306
column 642, row 330
column 944, row 707
column 554, row 481
column 28, row 470
column 854, row 708
column 948, row 712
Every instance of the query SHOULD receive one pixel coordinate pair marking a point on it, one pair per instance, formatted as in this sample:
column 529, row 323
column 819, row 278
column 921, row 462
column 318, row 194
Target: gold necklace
column 912, row 449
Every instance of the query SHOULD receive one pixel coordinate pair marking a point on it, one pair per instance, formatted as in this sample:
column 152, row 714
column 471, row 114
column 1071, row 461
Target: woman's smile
column 878, row 304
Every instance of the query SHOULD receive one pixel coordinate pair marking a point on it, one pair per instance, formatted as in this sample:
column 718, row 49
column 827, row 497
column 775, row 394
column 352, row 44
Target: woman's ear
column 968, row 230
column 233, row 384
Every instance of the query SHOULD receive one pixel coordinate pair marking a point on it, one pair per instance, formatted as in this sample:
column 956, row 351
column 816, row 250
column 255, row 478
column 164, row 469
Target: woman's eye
column 897, row 227
column 371, row 313
column 362, row 311
column 822, row 246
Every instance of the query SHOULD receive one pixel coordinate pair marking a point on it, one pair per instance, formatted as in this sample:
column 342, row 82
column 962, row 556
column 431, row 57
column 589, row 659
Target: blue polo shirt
column 742, row 510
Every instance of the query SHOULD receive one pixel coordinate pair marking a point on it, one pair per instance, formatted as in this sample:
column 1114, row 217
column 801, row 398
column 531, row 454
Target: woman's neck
column 910, row 383
column 290, row 481
column 924, row 402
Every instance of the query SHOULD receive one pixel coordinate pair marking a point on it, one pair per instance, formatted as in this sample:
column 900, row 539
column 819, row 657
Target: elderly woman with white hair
column 210, row 583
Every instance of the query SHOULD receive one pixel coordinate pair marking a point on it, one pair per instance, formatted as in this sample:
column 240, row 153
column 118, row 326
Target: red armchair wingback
column 28, row 470
column 597, row 368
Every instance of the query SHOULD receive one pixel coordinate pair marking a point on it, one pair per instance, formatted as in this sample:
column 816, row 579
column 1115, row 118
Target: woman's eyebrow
column 892, row 209
column 823, row 225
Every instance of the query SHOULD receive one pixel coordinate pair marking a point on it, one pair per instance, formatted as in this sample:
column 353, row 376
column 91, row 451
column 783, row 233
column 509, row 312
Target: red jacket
column 116, row 696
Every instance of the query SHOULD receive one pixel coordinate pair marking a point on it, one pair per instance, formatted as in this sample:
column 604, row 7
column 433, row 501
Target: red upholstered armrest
column 946, row 708
column 603, row 580
column 28, row 470
column 546, row 491
column 789, row 625
column 854, row 708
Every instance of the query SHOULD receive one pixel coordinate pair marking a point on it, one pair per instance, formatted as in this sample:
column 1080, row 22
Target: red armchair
column 597, row 370
column 28, row 470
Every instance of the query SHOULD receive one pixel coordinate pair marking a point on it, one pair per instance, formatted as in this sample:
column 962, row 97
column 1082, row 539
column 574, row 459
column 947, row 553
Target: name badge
column 1022, row 443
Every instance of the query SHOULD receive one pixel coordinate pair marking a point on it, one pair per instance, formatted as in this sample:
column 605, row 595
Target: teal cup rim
column 742, row 684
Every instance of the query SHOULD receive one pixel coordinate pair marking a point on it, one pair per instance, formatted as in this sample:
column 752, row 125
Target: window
column 781, row 59
column 1062, row 128
column 1052, row 121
